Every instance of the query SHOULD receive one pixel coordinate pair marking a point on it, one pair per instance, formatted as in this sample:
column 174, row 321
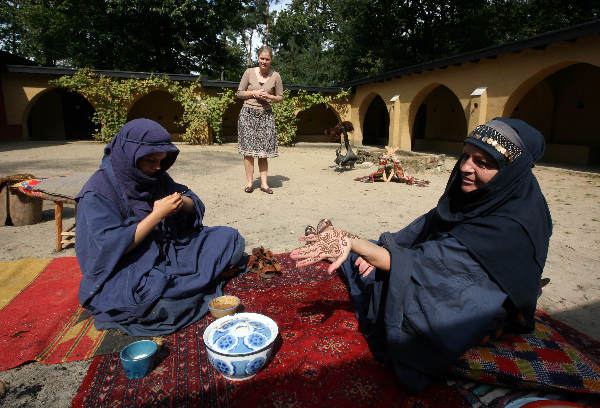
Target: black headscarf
column 505, row 224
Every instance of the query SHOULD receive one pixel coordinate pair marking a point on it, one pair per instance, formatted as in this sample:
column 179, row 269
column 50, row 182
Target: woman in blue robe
column 467, row 269
column 149, row 265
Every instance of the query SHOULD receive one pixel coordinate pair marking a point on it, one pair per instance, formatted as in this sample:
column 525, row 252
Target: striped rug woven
column 41, row 316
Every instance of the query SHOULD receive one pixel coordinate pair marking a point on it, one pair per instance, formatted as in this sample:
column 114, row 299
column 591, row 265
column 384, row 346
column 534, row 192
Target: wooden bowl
column 223, row 305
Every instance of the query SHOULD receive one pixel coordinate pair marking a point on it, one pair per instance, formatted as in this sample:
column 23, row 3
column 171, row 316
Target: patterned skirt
column 257, row 134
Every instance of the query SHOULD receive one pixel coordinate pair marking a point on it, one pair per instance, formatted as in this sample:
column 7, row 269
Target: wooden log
column 24, row 210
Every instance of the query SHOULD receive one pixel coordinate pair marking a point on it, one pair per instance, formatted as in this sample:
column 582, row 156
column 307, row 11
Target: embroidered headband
column 501, row 137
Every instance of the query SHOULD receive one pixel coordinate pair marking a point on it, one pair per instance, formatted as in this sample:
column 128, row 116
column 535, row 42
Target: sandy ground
column 306, row 188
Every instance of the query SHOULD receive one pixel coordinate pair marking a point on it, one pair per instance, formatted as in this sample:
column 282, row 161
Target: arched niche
column 230, row 120
column 159, row 106
column 376, row 126
column 564, row 107
column 59, row 114
column 314, row 124
column 439, row 122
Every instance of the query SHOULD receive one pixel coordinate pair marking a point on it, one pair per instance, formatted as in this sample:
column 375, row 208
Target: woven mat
column 41, row 317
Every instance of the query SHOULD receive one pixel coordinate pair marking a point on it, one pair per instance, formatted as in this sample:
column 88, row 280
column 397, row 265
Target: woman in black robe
column 469, row 267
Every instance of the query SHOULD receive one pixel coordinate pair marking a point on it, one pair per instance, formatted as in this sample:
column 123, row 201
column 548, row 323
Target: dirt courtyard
column 306, row 188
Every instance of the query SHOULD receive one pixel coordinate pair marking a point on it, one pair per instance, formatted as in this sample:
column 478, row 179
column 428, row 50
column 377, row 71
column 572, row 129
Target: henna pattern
column 331, row 245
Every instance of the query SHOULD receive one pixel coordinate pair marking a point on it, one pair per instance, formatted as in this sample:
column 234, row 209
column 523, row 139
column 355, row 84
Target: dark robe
column 469, row 267
column 166, row 282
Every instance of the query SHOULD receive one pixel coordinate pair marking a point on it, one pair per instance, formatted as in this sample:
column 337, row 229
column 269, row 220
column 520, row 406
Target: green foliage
column 202, row 111
column 318, row 41
column 135, row 35
column 110, row 98
column 286, row 112
column 113, row 97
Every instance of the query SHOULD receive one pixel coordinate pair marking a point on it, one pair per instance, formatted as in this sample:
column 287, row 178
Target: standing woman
column 257, row 136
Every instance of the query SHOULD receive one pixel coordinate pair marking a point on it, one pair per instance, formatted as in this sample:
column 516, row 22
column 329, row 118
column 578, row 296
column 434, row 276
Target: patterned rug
column 41, row 317
column 321, row 360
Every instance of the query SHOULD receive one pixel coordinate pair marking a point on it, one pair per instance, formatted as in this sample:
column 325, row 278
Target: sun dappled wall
column 313, row 124
column 555, row 87
column 159, row 106
column 564, row 106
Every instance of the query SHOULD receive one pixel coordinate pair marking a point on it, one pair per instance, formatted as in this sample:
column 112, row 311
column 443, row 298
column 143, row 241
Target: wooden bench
column 61, row 190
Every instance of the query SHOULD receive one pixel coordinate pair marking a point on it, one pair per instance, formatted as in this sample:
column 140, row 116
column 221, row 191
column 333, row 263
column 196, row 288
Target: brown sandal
column 263, row 263
column 324, row 225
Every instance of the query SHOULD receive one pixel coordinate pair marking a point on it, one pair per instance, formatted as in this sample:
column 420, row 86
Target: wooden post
column 58, row 207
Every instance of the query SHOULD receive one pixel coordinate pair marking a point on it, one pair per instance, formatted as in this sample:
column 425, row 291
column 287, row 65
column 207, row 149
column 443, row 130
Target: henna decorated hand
column 332, row 245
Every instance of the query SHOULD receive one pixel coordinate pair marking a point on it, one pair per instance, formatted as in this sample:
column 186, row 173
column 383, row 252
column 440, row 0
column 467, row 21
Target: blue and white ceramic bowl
column 239, row 345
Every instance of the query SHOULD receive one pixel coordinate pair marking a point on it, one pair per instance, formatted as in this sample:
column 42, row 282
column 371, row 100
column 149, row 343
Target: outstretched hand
column 332, row 245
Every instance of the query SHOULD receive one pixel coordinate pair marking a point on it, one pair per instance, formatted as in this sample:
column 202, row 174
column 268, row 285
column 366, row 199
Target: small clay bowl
column 223, row 305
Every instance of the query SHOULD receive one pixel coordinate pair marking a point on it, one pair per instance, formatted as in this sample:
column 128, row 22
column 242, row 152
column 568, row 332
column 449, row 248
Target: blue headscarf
column 505, row 224
column 119, row 178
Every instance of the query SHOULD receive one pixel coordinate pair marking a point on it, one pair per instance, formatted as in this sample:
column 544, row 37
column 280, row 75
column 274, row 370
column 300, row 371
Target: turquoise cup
column 138, row 358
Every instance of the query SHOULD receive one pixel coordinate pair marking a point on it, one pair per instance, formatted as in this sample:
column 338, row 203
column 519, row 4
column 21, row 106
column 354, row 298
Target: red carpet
column 35, row 321
column 321, row 360
column 41, row 317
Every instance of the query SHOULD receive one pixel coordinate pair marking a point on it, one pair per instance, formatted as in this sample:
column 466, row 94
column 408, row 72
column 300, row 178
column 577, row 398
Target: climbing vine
column 286, row 112
column 202, row 112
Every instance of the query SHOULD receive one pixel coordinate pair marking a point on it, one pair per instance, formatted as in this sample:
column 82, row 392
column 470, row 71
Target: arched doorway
column 564, row 106
column 160, row 107
column 376, row 127
column 314, row 123
column 230, row 120
column 440, row 124
column 59, row 114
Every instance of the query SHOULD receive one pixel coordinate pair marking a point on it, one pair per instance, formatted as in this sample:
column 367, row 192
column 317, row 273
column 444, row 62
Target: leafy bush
column 202, row 112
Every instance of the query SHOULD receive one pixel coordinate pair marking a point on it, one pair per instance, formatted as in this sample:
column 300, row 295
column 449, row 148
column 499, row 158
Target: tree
column 316, row 42
column 10, row 28
column 254, row 19
column 139, row 35
column 302, row 39
column 343, row 40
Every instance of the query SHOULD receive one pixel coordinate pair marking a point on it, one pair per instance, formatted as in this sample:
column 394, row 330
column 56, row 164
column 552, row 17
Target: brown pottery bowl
column 223, row 305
